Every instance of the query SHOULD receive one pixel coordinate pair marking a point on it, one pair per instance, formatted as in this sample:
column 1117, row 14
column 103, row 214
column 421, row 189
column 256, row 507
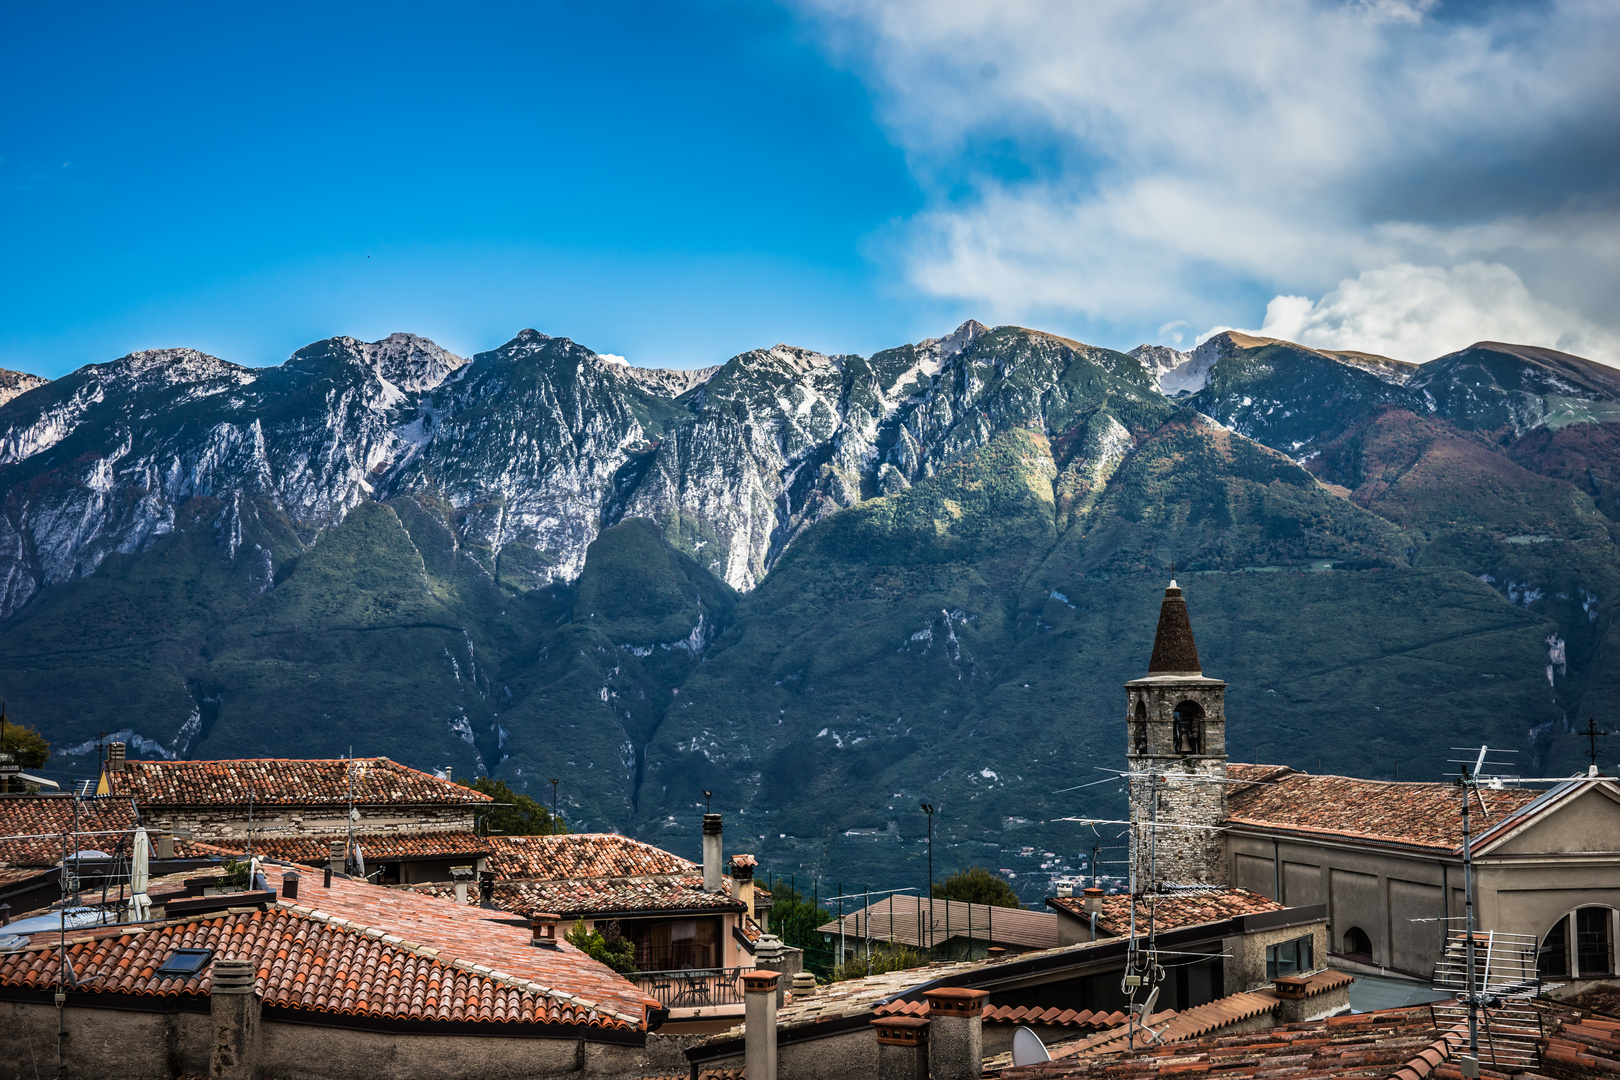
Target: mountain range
column 823, row 588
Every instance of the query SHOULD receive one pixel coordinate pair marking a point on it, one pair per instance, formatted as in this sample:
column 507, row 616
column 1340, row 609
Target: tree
column 28, row 745
column 521, row 816
column 612, row 948
column 794, row 919
column 976, row 885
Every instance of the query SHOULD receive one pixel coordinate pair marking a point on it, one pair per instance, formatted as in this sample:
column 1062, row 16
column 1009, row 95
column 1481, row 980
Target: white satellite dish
column 1028, row 1048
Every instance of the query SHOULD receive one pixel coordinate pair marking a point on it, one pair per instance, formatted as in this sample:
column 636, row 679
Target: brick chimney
column 115, row 756
column 543, row 930
column 711, row 853
column 742, row 877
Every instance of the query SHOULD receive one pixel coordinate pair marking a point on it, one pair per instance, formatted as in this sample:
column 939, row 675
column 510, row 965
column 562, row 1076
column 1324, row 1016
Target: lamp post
column 553, row 806
column 928, row 808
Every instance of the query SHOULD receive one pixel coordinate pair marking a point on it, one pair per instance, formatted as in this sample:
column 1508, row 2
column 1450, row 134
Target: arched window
column 1139, row 737
column 1580, row 945
column 1357, row 943
column 1189, row 728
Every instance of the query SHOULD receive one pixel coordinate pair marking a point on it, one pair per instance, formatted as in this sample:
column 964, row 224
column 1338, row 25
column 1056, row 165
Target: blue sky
column 676, row 183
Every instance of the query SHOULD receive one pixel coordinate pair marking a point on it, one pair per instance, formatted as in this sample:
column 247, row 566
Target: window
column 1357, row 943
column 1289, row 958
column 674, row 944
column 186, row 963
column 1139, row 729
column 1592, row 951
column 1189, row 728
column 1552, row 960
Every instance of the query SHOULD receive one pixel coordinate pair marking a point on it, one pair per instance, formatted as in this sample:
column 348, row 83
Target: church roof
column 1174, row 652
column 1424, row 815
column 1170, row 911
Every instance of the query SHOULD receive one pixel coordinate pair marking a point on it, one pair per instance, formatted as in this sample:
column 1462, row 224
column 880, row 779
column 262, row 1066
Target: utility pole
column 553, row 806
column 1468, row 923
column 928, row 808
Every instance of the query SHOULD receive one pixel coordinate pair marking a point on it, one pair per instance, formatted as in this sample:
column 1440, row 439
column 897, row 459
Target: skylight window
column 186, row 962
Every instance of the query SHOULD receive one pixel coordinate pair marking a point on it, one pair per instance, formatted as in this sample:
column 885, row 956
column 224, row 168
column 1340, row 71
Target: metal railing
column 693, row 988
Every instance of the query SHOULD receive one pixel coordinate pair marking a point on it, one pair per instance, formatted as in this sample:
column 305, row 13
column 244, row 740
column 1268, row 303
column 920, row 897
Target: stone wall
column 108, row 1042
column 1190, row 790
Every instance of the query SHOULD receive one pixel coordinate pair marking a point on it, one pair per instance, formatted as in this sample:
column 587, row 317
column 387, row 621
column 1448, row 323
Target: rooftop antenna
column 348, row 852
column 1592, row 736
column 553, row 806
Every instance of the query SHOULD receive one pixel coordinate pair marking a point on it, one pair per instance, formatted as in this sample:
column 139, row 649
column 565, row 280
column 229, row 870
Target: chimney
column 804, row 986
column 115, row 757
column 742, row 875
column 289, row 885
column 543, row 929
column 902, row 1047
column 337, row 856
column 711, row 853
column 1094, row 897
column 165, row 845
column 235, row 1010
column 759, row 1021
column 956, row 1033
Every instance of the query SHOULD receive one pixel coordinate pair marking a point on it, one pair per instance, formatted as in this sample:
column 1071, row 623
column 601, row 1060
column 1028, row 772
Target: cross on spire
column 1592, row 735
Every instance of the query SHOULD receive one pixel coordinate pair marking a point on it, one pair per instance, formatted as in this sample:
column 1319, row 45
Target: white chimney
column 711, row 853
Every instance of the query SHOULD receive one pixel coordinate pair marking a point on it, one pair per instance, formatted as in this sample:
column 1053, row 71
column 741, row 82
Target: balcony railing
column 693, row 988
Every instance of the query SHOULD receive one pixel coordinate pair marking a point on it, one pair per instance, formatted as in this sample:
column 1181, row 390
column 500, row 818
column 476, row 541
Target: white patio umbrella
column 140, row 906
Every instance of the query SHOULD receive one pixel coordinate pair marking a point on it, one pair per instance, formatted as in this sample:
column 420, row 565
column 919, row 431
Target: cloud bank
column 1409, row 175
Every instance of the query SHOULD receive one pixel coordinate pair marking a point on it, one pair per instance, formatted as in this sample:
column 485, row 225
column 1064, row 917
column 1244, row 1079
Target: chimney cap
column 759, row 980
column 711, row 824
column 956, row 1001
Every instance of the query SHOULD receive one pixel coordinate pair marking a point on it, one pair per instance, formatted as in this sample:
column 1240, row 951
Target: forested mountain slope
column 822, row 587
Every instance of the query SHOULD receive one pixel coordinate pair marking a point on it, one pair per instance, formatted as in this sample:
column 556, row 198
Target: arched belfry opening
column 1176, row 742
column 1187, row 728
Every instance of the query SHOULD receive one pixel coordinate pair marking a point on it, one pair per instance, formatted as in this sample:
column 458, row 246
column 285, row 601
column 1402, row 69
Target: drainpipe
column 1276, row 870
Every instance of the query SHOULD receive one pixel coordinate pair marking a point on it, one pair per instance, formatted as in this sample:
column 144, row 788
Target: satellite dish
column 1147, row 1006
column 1028, row 1048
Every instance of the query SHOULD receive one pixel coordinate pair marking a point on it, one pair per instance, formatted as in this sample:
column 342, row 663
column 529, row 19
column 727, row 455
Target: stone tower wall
column 1188, row 791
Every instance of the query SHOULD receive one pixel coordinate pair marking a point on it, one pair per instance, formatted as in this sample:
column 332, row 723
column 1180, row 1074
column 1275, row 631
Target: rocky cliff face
column 544, row 562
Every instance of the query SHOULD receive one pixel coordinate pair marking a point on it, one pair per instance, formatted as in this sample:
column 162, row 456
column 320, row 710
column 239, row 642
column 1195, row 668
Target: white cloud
column 612, row 358
column 1417, row 313
column 1169, row 159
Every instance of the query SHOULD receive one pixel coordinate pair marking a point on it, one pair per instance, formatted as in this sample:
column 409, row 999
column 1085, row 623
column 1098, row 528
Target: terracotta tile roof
column 1395, row 1042
column 580, row 855
column 363, row 950
column 1581, row 1045
column 915, row 921
column 591, row 897
column 304, row 963
column 30, row 827
column 1382, row 811
column 1169, row 911
column 1017, row 1014
column 286, row 782
column 315, row 850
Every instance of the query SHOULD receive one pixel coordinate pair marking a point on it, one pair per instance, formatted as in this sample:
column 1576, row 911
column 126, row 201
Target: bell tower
column 1175, row 722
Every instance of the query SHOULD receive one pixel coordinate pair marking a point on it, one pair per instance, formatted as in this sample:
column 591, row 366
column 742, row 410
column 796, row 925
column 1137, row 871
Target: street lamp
column 553, row 806
column 928, row 809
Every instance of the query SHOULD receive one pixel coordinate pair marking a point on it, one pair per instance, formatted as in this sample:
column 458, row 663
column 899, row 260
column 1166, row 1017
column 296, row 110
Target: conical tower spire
column 1174, row 652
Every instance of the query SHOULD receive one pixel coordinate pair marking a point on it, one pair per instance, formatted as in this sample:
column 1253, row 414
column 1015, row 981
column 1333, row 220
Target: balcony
column 693, row 988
